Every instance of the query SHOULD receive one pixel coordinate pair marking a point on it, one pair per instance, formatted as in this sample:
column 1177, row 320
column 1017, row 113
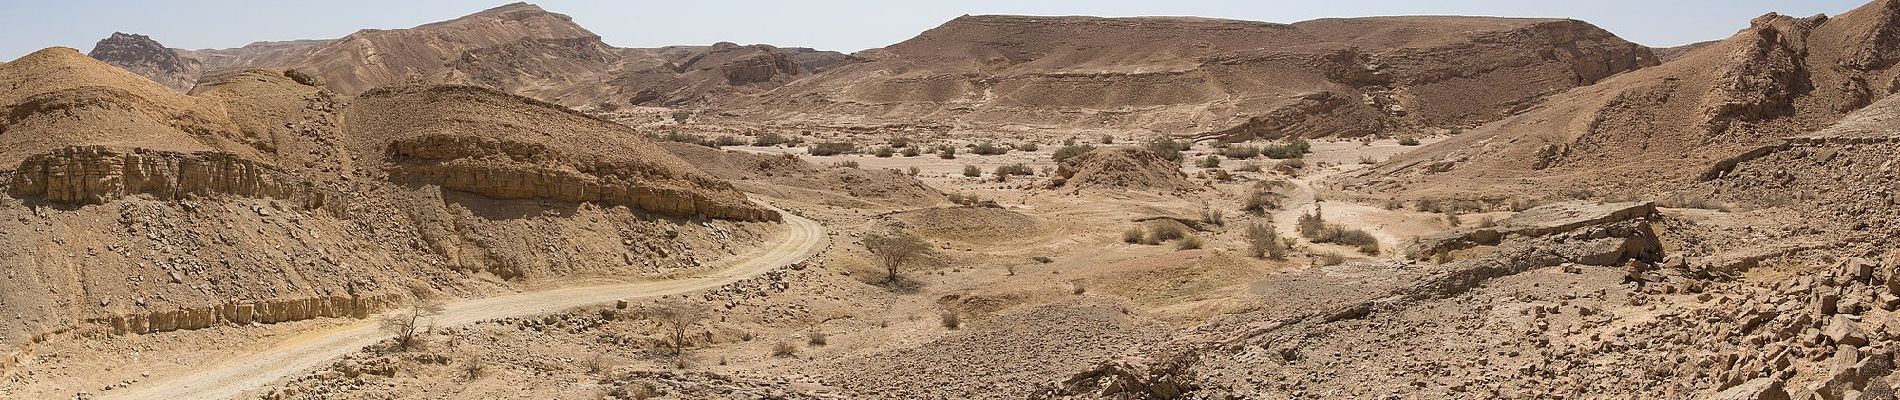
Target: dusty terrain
column 1004, row 207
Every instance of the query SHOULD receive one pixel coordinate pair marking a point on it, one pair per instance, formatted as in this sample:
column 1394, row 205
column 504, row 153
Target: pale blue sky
column 843, row 25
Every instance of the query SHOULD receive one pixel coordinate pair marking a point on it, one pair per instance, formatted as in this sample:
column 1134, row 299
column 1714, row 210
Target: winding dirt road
column 233, row 377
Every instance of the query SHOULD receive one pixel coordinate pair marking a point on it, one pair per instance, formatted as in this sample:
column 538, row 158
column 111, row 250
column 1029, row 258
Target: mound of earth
column 1331, row 77
column 518, row 48
column 133, row 208
column 792, row 178
column 970, row 224
column 1121, row 168
column 1657, row 128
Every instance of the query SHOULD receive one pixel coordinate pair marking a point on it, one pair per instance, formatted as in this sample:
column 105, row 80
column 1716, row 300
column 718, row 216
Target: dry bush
column 1029, row 146
column 1209, row 162
column 1240, row 152
column 972, row 171
column 1330, row 258
column 911, row 151
column 950, row 320
column 1294, row 148
column 1164, row 232
column 784, row 349
column 1168, row 148
column 729, row 140
column 768, row 139
column 1452, row 218
column 989, row 149
column 884, row 152
column 1487, row 222
column 947, row 153
column 846, row 164
column 912, row 171
column 1213, row 216
column 817, row 338
column 1068, row 152
column 1394, row 204
column 1250, row 167
column 900, row 141
column 1408, row 141
column 1108, row 139
column 473, row 368
column 832, row 148
column 1263, row 242
column 1367, row 160
column 1015, row 169
column 1132, row 235
column 1188, row 243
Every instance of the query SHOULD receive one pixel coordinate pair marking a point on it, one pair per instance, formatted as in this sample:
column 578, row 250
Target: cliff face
column 97, row 175
column 144, row 56
column 1195, row 75
column 1658, row 128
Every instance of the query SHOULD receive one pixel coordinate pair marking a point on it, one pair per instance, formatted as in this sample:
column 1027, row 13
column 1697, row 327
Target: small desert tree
column 676, row 316
column 404, row 324
column 895, row 249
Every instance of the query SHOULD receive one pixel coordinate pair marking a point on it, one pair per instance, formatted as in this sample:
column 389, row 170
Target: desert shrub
column 1067, row 152
column 1487, row 222
column 729, row 140
column 1452, row 218
column 847, row 164
column 1292, row 164
column 1015, row 169
column 900, row 141
column 911, row 151
column 1213, row 216
column 1331, row 258
column 950, row 320
column 1263, row 242
column 832, row 148
column 1428, row 205
column 1188, row 243
column 1132, row 236
column 768, row 139
column 1029, row 146
column 1209, row 162
column 784, row 349
column 1222, row 175
column 1394, row 204
column 1408, row 141
column 947, row 153
column 989, row 149
column 817, row 338
column 1260, row 202
column 972, row 171
column 1280, row 152
column 884, row 152
column 912, row 171
column 1250, row 167
column 1367, row 160
column 1108, row 139
column 1240, row 152
column 1310, row 225
column 1167, row 148
column 1164, row 232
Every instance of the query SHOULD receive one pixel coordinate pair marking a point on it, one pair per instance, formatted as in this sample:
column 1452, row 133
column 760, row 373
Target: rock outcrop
column 144, row 56
column 98, row 174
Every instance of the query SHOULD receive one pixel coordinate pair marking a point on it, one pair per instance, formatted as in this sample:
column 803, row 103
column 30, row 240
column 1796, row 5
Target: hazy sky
column 843, row 25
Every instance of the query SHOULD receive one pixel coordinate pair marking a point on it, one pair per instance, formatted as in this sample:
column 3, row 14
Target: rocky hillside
column 1333, row 77
column 144, row 56
column 1656, row 128
column 519, row 48
column 131, row 207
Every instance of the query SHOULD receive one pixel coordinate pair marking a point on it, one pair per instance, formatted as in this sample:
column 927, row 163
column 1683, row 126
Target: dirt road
column 236, row 376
